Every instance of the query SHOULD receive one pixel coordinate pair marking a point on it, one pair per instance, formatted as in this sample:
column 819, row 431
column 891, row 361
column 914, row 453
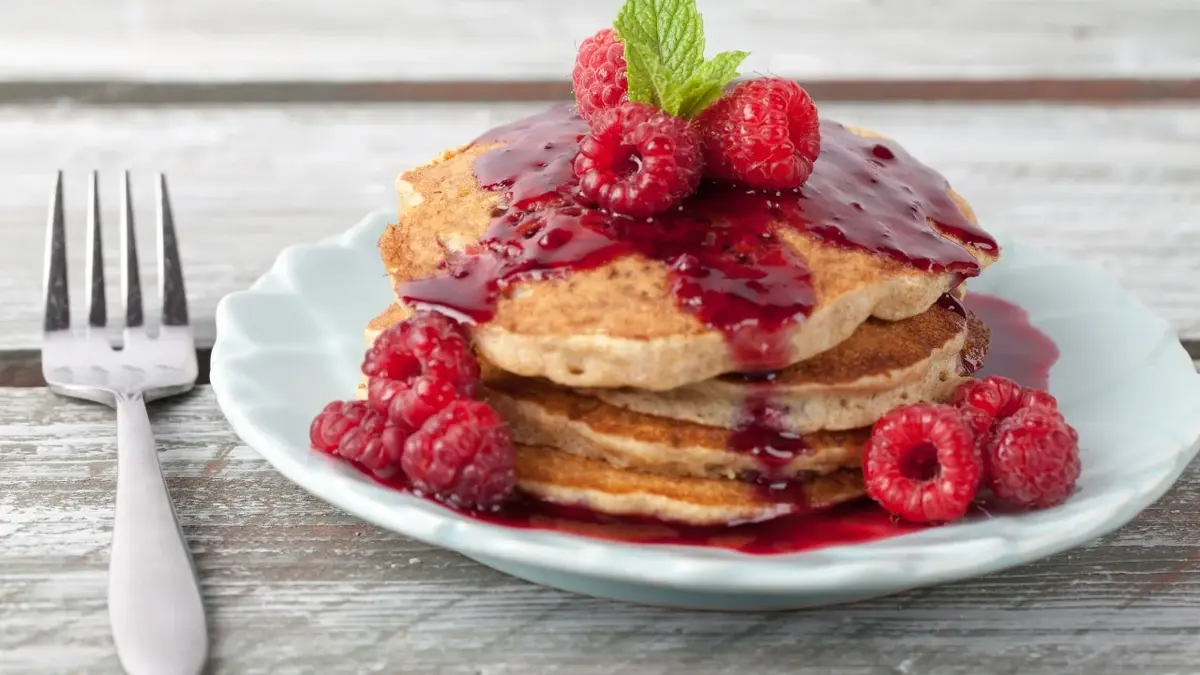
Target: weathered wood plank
column 1117, row 185
column 1094, row 91
column 231, row 40
column 295, row 586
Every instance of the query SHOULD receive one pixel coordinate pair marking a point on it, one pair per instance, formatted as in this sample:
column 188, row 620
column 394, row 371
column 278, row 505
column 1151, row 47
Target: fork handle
column 154, row 603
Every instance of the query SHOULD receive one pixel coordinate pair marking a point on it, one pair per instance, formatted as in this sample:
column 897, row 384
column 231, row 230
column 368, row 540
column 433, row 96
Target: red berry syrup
column 1018, row 350
column 722, row 245
column 854, row 523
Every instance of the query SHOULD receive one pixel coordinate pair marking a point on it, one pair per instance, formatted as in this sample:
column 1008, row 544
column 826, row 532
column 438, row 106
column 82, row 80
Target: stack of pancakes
column 622, row 402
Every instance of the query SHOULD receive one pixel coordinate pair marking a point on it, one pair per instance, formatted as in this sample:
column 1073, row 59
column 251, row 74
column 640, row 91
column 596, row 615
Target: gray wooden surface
column 500, row 40
column 295, row 586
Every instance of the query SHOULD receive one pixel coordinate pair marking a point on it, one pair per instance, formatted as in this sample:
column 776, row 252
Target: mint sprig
column 664, row 56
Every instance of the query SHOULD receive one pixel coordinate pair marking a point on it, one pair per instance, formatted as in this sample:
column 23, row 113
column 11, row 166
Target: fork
column 154, row 604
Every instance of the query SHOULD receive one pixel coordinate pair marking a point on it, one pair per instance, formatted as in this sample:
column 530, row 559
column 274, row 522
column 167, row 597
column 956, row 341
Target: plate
column 293, row 341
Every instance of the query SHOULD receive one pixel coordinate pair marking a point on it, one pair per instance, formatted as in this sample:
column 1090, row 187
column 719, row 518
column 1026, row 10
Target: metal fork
column 154, row 603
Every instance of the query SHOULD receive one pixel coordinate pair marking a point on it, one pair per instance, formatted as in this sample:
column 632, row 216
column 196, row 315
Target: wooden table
column 1071, row 124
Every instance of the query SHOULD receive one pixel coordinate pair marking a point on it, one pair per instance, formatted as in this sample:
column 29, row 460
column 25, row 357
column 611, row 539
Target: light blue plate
column 294, row 341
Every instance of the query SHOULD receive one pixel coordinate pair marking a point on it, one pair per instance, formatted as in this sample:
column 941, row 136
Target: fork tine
column 58, row 305
column 95, row 257
column 170, row 271
column 131, row 284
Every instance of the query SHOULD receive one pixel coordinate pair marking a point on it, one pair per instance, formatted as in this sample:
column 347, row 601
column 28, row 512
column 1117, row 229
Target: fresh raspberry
column 418, row 366
column 1033, row 459
column 921, row 463
column 762, row 133
column 979, row 422
column 463, row 455
column 355, row 431
column 332, row 423
column 412, row 402
column 638, row 160
column 599, row 75
column 1036, row 398
column 996, row 398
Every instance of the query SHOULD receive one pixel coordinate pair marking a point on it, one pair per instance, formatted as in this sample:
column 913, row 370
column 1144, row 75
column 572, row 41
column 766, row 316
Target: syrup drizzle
column 723, row 246
column 759, row 430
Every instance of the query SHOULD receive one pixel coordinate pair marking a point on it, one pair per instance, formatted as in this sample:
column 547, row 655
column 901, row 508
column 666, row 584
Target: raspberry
column 463, row 456
column 412, row 402
column 355, row 431
column 1032, row 460
column 638, row 160
column 763, row 133
column 1036, row 398
column 921, row 463
column 418, row 366
column 978, row 422
column 332, row 423
column 599, row 75
column 996, row 398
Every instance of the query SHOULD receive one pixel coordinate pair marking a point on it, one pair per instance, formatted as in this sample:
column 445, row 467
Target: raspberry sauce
column 722, row 246
column 852, row 523
column 848, row 524
column 760, row 431
column 1018, row 350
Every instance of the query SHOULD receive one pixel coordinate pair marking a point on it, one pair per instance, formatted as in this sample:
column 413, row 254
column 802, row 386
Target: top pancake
column 618, row 324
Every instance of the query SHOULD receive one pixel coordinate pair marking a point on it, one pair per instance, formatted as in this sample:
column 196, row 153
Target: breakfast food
column 691, row 302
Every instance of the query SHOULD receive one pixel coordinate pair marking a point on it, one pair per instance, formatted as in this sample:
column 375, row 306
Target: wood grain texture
column 1117, row 185
column 231, row 40
column 295, row 586
column 276, row 92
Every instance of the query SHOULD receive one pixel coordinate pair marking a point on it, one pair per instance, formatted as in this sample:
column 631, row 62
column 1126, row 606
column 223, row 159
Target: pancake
column 542, row 414
column 882, row 365
column 563, row 478
column 560, row 477
column 618, row 324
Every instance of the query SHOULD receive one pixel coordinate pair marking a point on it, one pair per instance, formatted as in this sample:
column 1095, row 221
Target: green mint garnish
column 664, row 56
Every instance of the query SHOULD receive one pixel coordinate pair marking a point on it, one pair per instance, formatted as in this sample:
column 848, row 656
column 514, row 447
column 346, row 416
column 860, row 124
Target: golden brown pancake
column 543, row 414
column 882, row 365
column 564, row 478
column 618, row 324
column 560, row 477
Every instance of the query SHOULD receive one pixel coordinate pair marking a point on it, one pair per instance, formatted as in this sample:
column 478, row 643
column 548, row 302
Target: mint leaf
column 664, row 57
column 637, row 74
column 672, row 30
column 662, row 92
column 707, row 83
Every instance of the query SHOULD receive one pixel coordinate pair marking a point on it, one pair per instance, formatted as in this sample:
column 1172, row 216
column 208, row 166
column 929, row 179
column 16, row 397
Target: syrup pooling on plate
column 1019, row 351
column 849, row 524
column 728, row 266
column 856, row 523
